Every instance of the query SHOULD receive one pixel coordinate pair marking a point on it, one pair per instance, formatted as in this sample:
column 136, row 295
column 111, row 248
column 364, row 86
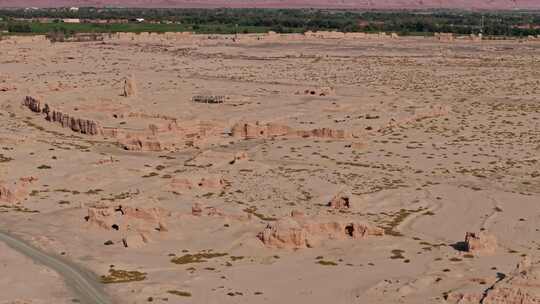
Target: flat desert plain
column 221, row 169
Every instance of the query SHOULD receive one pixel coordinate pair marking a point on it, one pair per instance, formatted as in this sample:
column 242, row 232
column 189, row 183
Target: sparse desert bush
column 196, row 258
column 327, row 263
column 179, row 293
column 122, row 276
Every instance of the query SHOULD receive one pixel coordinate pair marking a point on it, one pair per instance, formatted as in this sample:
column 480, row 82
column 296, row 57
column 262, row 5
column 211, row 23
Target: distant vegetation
column 229, row 21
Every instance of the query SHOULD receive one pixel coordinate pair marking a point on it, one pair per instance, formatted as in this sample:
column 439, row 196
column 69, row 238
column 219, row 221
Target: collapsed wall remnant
column 340, row 201
column 34, row 104
column 196, row 209
column 138, row 143
column 199, row 210
column 322, row 91
column 84, row 126
column 476, row 38
column 299, row 231
column 270, row 36
column 101, row 217
column 130, row 87
column 427, row 112
column 30, row 39
column 323, row 133
column 126, row 218
column 211, row 181
column 80, row 125
column 211, row 99
column 255, row 130
column 15, row 192
column 135, row 239
column 7, row 195
column 480, row 243
column 210, row 158
column 446, row 37
column 350, row 35
column 7, row 88
column 166, row 134
column 169, row 135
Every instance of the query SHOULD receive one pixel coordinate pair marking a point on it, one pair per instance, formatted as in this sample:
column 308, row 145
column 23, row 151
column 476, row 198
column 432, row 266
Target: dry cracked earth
column 313, row 171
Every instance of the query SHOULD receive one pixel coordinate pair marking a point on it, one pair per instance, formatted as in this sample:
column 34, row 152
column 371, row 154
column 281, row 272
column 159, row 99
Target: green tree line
column 279, row 20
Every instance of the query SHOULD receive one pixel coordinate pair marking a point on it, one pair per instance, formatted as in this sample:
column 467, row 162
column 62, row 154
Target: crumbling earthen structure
column 15, row 192
column 300, row 231
column 341, row 200
column 255, row 130
column 79, row 125
column 130, row 87
column 480, row 243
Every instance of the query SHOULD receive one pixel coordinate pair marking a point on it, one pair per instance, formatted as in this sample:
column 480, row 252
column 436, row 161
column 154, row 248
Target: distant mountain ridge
column 353, row 4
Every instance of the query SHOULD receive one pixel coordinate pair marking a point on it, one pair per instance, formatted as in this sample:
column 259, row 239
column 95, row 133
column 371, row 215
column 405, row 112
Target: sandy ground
column 26, row 282
column 428, row 140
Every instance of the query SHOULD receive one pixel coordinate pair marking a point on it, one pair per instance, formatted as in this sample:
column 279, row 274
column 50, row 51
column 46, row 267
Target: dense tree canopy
column 283, row 20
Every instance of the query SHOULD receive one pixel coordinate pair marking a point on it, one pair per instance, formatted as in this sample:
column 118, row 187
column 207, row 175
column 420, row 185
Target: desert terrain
column 45, row 287
column 272, row 168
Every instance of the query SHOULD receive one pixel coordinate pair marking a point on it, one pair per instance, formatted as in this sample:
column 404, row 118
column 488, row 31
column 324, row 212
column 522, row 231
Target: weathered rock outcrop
column 298, row 231
column 522, row 286
column 480, row 243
